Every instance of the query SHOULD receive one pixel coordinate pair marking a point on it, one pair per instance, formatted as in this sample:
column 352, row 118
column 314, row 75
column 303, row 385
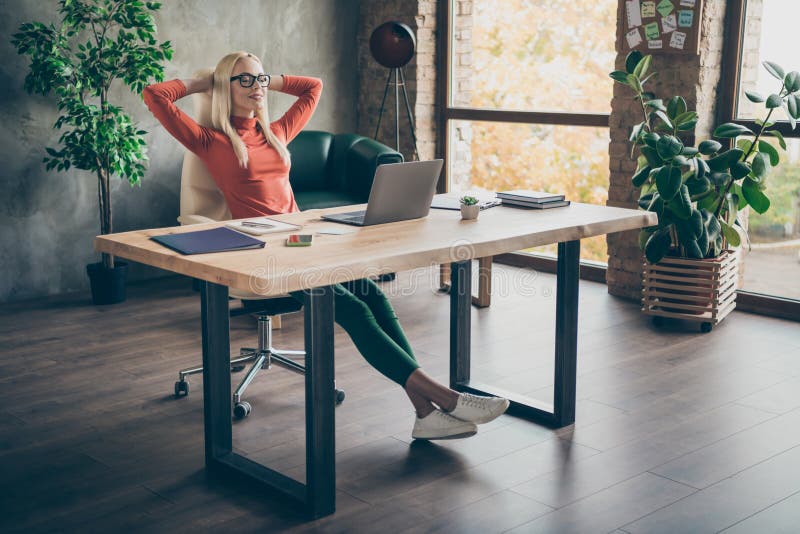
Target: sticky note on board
column 648, row 10
column 634, row 15
column 651, row 31
column 656, row 44
column 665, row 7
column 634, row 38
column 669, row 23
column 685, row 18
column 677, row 40
column 688, row 3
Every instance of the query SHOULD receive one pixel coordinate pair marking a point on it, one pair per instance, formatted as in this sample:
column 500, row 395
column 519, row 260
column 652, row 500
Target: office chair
column 202, row 202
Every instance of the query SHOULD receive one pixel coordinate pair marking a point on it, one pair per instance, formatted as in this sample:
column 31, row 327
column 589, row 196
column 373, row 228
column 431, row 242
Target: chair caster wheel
column 242, row 410
column 706, row 327
column 339, row 396
column 181, row 389
column 658, row 321
column 237, row 368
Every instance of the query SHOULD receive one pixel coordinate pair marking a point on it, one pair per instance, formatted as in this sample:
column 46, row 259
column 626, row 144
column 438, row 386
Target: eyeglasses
column 247, row 80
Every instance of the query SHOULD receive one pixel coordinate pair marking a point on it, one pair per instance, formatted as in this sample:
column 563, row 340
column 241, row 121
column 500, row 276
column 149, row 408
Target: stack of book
column 526, row 198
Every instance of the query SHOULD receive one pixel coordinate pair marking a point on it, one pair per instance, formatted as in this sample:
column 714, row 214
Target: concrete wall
column 48, row 219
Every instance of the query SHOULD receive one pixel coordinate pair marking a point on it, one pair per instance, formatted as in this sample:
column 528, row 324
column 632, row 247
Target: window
column 512, row 55
column 759, row 31
column 527, row 101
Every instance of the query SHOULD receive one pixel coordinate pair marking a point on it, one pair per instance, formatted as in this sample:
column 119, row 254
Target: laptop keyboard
column 352, row 215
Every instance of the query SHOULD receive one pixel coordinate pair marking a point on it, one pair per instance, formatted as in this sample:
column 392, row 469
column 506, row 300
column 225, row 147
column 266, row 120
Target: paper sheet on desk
column 335, row 231
column 263, row 225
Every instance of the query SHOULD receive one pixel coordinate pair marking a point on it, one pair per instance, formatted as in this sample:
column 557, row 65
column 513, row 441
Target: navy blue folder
column 203, row 241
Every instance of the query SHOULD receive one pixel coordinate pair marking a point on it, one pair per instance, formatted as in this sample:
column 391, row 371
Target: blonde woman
column 246, row 155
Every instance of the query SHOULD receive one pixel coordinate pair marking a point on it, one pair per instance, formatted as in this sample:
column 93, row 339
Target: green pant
column 367, row 316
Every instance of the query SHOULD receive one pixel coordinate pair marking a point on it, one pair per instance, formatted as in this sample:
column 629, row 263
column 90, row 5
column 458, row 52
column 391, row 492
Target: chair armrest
column 363, row 159
column 194, row 219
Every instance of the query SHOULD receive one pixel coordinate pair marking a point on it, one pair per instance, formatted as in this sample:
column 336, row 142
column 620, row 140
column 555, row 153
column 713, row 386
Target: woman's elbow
column 149, row 96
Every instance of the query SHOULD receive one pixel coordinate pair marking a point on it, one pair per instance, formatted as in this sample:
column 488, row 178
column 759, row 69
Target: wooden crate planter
column 702, row 291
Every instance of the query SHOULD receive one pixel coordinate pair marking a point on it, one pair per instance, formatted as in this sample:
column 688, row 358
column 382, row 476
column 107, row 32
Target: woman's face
column 246, row 100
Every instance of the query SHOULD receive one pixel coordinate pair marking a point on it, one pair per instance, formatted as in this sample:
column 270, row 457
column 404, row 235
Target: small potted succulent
column 469, row 207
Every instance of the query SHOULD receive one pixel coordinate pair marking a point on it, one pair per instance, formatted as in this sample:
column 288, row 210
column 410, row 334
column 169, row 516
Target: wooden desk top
column 442, row 237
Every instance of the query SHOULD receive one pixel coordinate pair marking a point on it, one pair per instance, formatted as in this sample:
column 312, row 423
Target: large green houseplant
column 698, row 192
column 96, row 43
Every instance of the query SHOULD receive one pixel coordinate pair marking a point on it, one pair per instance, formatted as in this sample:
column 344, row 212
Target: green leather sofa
column 335, row 169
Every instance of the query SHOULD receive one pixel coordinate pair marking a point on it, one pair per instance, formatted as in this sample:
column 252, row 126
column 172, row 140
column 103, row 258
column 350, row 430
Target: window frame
column 733, row 41
column 728, row 93
column 447, row 113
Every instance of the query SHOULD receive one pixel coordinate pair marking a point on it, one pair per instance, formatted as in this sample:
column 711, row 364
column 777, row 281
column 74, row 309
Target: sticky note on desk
column 648, row 10
column 685, row 18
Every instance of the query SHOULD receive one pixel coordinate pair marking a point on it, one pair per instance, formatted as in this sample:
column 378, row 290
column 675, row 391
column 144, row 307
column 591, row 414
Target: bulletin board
column 661, row 26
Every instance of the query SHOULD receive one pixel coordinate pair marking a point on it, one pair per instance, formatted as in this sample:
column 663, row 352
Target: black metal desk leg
column 320, row 403
column 216, row 371
column 559, row 413
column 318, row 495
column 460, row 325
column 568, row 270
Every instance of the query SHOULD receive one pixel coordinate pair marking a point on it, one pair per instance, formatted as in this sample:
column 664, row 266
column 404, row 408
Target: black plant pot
column 108, row 285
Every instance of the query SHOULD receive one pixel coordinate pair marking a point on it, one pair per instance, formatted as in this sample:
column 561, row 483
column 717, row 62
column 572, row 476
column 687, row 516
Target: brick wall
column 696, row 78
column 420, row 76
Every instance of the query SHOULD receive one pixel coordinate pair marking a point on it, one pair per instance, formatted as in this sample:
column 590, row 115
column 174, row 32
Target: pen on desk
column 257, row 224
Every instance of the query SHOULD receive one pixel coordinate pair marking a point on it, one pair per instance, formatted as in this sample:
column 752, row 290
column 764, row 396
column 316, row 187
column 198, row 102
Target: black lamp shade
column 392, row 44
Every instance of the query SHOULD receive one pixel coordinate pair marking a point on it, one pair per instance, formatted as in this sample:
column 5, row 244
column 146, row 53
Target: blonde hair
column 221, row 110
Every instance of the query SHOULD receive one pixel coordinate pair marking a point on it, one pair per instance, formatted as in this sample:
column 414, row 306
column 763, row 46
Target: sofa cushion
column 338, row 171
column 363, row 158
column 309, row 170
column 308, row 200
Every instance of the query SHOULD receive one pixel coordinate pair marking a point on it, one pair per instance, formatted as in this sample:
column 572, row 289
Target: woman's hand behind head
column 203, row 81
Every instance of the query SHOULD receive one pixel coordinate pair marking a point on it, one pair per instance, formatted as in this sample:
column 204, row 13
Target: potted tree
column 96, row 43
column 699, row 193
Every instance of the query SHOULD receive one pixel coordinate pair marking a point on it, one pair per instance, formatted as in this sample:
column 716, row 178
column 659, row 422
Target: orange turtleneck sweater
column 262, row 188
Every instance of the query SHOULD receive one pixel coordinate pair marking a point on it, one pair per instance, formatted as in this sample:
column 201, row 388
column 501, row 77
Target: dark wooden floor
column 676, row 431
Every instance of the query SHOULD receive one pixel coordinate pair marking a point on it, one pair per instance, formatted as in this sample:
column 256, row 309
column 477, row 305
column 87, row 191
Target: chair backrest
column 201, row 200
column 310, row 161
column 200, row 196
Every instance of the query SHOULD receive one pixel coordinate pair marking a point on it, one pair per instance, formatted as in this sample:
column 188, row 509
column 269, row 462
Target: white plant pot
column 470, row 212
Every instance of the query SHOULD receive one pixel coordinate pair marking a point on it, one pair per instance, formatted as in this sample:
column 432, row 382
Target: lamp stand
column 399, row 81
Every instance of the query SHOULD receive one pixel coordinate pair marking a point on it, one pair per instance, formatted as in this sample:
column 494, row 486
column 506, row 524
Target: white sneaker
column 477, row 409
column 439, row 425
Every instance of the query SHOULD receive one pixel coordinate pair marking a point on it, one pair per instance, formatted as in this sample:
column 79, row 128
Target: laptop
column 400, row 191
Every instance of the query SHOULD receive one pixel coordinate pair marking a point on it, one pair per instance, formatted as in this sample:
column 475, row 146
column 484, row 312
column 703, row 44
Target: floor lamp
column 393, row 44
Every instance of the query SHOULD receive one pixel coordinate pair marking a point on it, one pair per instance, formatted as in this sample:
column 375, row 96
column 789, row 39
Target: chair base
column 262, row 358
